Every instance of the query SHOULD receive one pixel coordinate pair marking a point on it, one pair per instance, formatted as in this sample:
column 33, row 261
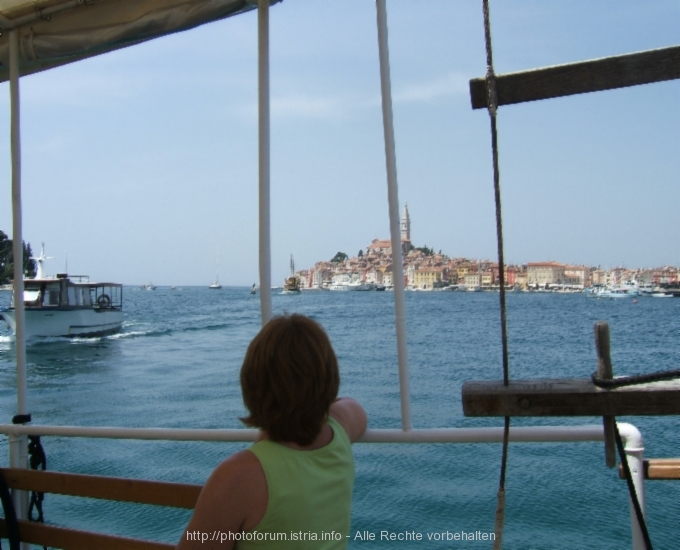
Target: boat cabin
column 74, row 292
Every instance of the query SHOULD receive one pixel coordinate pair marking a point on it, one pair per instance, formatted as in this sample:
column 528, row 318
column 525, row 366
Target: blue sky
column 140, row 165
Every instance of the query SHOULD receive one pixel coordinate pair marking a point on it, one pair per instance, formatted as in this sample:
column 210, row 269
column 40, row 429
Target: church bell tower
column 405, row 225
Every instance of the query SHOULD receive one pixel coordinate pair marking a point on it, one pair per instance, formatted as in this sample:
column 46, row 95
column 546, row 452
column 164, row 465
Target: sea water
column 176, row 364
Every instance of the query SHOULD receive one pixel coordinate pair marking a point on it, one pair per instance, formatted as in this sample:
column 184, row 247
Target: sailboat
column 292, row 284
column 216, row 284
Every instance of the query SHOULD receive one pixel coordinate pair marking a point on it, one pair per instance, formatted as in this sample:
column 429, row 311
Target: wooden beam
column 568, row 397
column 579, row 78
column 179, row 495
column 605, row 371
column 72, row 539
column 658, row 468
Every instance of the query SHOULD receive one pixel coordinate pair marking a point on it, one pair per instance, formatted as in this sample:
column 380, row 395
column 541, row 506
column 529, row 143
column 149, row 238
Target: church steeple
column 405, row 225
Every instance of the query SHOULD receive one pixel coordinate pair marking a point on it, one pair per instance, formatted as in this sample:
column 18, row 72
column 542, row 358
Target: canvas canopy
column 56, row 32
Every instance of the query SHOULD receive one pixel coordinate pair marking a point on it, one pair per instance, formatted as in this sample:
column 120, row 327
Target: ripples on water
column 176, row 365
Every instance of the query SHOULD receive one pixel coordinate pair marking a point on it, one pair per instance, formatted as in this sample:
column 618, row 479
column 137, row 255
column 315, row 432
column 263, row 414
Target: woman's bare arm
column 351, row 415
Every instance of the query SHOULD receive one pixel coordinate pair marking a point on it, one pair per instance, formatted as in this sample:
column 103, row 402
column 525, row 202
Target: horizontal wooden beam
column 179, row 495
column 579, row 78
column 72, row 539
column 658, row 468
column 568, row 397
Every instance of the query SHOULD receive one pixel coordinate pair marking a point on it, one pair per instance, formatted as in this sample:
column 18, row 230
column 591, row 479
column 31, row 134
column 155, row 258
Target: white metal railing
column 539, row 434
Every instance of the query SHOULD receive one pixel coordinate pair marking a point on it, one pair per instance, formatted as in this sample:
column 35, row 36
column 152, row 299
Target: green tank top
column 310, row 496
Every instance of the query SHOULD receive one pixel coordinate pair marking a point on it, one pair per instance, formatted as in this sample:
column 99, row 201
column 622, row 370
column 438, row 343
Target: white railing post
column 18, row 443
column 634, row 448
column 264, row 161
column 395, row 229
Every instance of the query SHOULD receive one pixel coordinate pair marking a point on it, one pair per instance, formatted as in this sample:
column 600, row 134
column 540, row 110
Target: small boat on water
column 215, row 285
column 148, row 286
column 67, row 305
column 291, row 285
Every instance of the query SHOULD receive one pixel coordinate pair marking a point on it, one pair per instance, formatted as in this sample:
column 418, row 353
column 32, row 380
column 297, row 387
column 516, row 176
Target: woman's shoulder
column 233, row 499
column 233, row 475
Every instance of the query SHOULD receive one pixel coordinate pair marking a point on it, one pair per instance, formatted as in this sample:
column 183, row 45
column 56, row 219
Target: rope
column 636, row 379
column 631, row 489
column 36, row 459
column 492, row 102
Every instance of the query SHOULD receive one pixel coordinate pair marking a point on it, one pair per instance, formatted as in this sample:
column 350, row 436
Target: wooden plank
column 73, row 539
column 579, row 78
column 568, row 397
column 179, row 495
column 658, row 468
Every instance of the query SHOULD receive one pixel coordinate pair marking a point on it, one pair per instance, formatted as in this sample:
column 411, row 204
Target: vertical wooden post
column 606, row 372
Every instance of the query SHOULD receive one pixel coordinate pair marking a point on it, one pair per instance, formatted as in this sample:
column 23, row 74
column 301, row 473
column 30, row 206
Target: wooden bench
column 178, row 495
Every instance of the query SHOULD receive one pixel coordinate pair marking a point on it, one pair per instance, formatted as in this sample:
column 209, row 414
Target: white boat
column 67, row 305
column 342, row 286
column 149, row 286
column 215, row 285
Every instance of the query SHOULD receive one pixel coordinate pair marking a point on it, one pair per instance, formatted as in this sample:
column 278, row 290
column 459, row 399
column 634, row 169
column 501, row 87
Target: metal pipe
column 264, row 162
column 634, row 448
column 18, row 446
column 535, row 434
column 17, row 233
column 393, row 201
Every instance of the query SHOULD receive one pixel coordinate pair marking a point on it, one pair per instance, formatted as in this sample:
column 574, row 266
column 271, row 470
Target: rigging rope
column 636, row 379
column 492, row 102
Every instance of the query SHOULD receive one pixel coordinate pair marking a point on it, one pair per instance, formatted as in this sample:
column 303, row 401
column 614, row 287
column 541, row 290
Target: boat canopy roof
column 57, row 32
column 47, row 280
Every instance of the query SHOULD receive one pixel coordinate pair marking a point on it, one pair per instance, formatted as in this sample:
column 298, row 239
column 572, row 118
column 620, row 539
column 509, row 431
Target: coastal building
column 545, row 273
column 578, row 275
column 425, row 278
column 473, row 280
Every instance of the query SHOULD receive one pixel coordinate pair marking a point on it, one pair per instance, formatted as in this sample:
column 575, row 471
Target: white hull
column 67, row 322
column 340, row 287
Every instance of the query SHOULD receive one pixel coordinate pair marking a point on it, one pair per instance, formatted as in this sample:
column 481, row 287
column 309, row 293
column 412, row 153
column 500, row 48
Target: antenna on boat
column 40, row 260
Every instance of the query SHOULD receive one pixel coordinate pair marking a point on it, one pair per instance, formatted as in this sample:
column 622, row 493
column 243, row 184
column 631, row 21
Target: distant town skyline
column 140, row 164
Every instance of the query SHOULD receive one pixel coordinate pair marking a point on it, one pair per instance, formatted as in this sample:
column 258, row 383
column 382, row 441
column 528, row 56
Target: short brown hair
column 289, row 379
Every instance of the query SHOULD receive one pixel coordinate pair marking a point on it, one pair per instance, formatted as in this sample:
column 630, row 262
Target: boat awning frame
column 57, row 32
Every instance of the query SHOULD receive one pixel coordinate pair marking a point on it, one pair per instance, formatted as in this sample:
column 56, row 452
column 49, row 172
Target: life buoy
column 104, row 301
